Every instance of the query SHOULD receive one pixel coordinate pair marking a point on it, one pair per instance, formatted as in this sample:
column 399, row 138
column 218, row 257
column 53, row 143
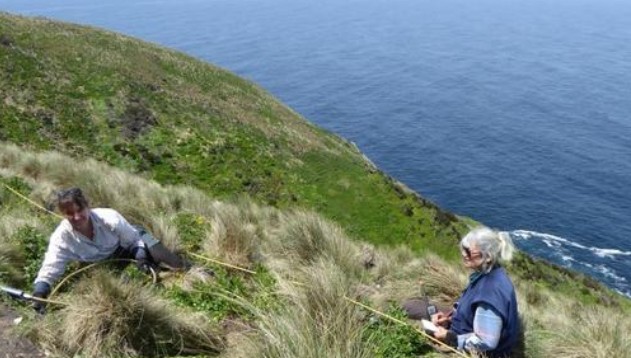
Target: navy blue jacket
column 496, row 290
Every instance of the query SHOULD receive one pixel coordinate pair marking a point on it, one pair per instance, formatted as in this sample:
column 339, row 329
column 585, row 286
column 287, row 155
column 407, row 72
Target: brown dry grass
column 296, row 247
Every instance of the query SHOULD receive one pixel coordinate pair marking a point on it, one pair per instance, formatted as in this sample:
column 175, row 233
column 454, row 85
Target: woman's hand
column 441, row 334
column 449, row 337
column 441, row 319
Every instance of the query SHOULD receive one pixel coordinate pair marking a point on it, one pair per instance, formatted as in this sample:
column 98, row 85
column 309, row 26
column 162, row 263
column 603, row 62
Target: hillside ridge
column 214, row 165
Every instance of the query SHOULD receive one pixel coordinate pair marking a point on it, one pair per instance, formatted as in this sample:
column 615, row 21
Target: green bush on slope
column 293, row 306
column 91, row 93
column 165, row 116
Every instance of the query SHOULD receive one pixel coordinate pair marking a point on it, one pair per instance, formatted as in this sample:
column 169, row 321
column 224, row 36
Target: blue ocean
column 515, row 113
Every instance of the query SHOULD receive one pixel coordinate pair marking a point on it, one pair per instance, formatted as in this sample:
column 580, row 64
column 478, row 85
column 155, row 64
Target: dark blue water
column 516, row 113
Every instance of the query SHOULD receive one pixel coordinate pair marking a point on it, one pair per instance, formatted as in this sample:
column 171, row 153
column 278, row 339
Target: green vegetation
column 219, row 294
column 150, row 110
column 33, row 244
column 215, row 166
column 294, row 304
column 393, row 340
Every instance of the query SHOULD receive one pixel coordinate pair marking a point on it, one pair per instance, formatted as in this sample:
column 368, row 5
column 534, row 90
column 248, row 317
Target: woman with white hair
column 485, row 317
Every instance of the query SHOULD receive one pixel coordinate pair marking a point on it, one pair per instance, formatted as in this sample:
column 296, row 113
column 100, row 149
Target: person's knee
column 418, row 308
column 162, row 255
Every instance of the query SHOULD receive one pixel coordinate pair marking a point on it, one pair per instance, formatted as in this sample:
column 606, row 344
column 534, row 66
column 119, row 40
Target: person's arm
column 52, row 268
column 54, row 263
column 487, row 330
column 131, row 239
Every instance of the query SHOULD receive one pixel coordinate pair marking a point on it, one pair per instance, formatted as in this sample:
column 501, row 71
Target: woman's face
column 471, row 256
column 78, row 217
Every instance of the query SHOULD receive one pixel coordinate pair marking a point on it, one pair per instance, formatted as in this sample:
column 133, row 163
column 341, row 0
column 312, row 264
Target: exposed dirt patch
column 6, row 40
column 137, row 119
column 11, row 345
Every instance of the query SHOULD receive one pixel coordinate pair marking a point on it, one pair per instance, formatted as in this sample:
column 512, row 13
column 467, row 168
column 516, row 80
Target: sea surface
column 515, row 113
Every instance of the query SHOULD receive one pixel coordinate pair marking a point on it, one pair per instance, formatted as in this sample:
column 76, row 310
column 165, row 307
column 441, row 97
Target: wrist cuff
column 451, row 339
column 140, row 253
column 41, row 289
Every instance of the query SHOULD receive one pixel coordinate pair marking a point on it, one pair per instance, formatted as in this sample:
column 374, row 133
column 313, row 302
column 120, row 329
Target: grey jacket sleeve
column 487, row 330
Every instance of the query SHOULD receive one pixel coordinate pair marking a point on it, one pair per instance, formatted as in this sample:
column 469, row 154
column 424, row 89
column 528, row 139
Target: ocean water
column 516, row 113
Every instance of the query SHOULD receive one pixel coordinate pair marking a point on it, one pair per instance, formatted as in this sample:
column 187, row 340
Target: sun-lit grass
column 317, row 321
column 11, row 262
column 293, row 306
column 233, row 237
column 109, row 318
column 306, row 237
column 575, row 330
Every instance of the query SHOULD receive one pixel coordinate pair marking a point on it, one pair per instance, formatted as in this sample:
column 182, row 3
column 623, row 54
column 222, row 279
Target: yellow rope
column 218, row 263
column 31, row 201
column 221, row 263
column 153, row 272
column 76, row 272
column 394, row 319
column 46, row 300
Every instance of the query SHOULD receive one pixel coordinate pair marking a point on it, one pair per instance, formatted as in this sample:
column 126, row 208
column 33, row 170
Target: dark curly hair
column 71, row 195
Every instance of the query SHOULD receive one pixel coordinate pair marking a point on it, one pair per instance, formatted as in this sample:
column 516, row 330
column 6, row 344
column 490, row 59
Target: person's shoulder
column 62, row 229
column 109, row 216
column 497, row 279
column 106, row 213
column 62, row 234
column 502, row 275
column 496, row 289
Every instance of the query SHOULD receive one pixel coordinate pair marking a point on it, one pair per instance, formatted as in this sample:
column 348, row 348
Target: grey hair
column 495, row 246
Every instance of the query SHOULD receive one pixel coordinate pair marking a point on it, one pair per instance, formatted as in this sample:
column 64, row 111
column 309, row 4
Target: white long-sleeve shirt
column 111, row 230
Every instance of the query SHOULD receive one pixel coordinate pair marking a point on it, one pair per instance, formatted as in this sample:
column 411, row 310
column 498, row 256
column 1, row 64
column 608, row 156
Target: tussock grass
column 163, row 227
column 441, row 279
column 234, row 237
column 590, row 331
column 106, row 317
column 401, row 275
column 317, row 320
column 307, row 238
column 10, row 223
column 312, row 260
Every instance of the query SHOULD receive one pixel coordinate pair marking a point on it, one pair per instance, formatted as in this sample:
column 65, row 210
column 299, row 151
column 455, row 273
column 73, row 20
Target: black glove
column 41, row 290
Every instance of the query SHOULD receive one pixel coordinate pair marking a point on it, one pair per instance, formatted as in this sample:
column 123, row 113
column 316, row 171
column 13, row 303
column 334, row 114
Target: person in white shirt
column 90, row 235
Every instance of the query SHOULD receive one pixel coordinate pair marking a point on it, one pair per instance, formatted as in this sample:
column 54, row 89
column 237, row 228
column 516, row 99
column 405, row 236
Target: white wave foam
column 609, row 252
column 559, row 246
column 551, row 244
column 548, row 239
column 624, row 293
column 606, row 271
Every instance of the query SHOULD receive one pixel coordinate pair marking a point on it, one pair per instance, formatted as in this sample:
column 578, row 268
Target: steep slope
column 166, row 116
column 291, row 302
column 146, row 109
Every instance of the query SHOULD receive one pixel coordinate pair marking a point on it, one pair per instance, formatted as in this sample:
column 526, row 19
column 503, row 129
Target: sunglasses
column 468, row 252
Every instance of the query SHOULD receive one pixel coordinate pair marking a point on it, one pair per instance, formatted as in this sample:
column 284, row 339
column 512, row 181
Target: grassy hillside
column 292, row 303
column 150, row 110
column 214, row 165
